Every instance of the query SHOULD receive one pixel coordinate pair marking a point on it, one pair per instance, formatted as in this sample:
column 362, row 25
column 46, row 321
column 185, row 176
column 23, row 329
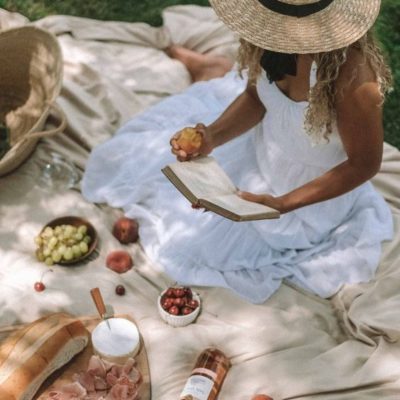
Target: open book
column 202, row 181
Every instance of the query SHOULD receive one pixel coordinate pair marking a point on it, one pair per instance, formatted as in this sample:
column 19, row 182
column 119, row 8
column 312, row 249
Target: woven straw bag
column 30, row 80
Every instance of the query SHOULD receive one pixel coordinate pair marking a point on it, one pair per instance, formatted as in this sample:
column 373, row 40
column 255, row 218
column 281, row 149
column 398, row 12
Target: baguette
column 30, row 355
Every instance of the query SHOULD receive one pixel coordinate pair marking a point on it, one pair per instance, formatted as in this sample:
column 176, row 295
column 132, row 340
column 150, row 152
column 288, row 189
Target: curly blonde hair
column 320, row 113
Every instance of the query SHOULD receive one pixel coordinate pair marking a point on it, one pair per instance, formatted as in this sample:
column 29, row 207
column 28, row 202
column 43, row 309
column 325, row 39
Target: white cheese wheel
column 116, row 339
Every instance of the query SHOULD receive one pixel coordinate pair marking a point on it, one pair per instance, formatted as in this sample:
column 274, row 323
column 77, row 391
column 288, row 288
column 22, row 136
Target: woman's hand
column 265, row 199
column 206, row 147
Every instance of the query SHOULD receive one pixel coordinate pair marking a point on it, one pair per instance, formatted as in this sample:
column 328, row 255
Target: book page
column 203, row 177
column 239, row 206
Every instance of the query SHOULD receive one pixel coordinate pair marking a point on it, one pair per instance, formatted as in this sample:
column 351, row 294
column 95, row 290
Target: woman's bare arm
column 359, row 120
column 242, row 114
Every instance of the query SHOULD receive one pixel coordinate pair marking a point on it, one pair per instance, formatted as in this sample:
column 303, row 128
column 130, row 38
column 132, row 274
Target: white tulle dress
column 318, row 247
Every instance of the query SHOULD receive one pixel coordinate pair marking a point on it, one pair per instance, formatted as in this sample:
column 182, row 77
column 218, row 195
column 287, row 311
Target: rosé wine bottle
column 207, row 376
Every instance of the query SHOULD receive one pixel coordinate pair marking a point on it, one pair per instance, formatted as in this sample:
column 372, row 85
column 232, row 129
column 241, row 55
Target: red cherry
column 39, row 286
column 261, row 397
column 174, row 310
column 120, row 290
column 180, row 302
column 167, row 303
column 193, row 304
column 170, row 293
column 179, row 292
column 188, row 292
column 186, row 310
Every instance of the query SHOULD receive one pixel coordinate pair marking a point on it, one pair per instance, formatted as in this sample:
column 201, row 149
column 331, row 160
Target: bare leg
column 201, row 67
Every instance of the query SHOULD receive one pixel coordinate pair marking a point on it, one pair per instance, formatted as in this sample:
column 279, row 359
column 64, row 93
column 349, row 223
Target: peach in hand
column 189, row 140
column 126, row 230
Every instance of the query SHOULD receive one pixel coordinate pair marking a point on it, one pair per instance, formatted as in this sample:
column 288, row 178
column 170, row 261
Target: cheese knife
column 99, row 303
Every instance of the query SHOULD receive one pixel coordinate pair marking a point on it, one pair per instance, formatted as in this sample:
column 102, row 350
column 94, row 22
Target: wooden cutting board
column 80, row 362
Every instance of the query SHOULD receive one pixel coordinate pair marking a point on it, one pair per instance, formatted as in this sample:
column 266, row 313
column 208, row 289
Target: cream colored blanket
column 295, row 346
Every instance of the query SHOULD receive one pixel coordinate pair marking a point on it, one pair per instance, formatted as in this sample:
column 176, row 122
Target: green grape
column 38, row 240
column 84, row 247
column 87, row 239
column 78, row 236
column 48, row 232
column 77, row 251
column 57, row 230
column 68, row 255
column 56, row 256
column 62, row 249
column 39, row 255
column 49, row 261
column 82, row 230
column 46, row 251
column 52, row 242
column 68, row 231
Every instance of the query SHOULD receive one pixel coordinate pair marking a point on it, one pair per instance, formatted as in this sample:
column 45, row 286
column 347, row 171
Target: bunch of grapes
column 62, row 243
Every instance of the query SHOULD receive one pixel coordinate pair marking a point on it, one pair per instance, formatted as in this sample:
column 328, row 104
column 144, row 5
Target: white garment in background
column 318, row 247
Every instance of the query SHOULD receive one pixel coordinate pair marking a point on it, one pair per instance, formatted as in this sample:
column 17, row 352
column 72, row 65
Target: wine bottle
column 207, row 376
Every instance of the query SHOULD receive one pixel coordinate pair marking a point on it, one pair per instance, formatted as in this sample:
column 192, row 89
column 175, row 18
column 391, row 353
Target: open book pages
column 202, row 181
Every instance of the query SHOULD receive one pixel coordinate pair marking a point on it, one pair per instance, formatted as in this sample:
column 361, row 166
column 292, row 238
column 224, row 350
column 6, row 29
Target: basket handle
column 50, row 132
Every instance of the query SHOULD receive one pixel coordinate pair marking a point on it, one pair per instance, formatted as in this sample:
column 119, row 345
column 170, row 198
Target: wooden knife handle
column 98, row 301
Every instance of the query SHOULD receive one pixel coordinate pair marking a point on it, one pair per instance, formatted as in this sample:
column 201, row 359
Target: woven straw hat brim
column 342, row 23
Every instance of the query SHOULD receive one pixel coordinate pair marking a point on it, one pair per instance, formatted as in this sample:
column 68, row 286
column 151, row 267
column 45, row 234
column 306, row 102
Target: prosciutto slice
column 102, row 381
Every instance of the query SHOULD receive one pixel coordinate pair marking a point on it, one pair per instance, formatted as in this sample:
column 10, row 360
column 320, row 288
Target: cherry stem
column 44, row 273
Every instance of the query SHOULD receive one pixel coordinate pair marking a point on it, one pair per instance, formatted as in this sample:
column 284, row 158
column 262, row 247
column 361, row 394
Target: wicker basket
column 30, row 80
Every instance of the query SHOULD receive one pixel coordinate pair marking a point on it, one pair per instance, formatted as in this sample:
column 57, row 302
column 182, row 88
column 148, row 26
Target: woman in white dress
column 302, row 134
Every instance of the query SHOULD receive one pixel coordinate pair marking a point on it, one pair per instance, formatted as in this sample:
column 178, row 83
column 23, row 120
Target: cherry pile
column 178, row 301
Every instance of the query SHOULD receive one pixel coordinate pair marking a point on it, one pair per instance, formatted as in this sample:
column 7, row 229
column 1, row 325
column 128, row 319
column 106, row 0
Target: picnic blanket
column 294, row 346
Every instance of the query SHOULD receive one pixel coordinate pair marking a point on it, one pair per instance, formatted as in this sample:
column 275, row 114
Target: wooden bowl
column 76, row 221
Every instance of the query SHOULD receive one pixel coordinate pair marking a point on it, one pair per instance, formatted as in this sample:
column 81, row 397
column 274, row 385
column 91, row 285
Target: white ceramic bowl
column 116, row 339
column 178, row 320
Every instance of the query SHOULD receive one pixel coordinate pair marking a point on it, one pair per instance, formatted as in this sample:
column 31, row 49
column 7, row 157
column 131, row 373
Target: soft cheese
column 116, row 339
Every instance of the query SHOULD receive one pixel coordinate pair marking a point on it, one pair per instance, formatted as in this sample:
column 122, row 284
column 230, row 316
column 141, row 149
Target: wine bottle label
column 198, row 387
column 206, row 371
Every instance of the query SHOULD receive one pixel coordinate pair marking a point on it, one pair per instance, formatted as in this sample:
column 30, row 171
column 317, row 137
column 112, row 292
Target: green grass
column 387, row 27
column 388, row 32
column 117, row 10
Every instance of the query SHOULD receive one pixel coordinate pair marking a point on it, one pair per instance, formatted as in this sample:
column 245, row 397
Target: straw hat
column 298, row 26
column 31, row 67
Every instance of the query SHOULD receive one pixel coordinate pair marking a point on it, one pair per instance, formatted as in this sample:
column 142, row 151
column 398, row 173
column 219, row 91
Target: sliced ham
column 122, row 392
column 102, row 381
column 130, row 363
column 101, row 395
column 135, row 376
column 71, row 391
column 86, row 379
column 97, row 366
column 75, row 389
column 111, row 379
